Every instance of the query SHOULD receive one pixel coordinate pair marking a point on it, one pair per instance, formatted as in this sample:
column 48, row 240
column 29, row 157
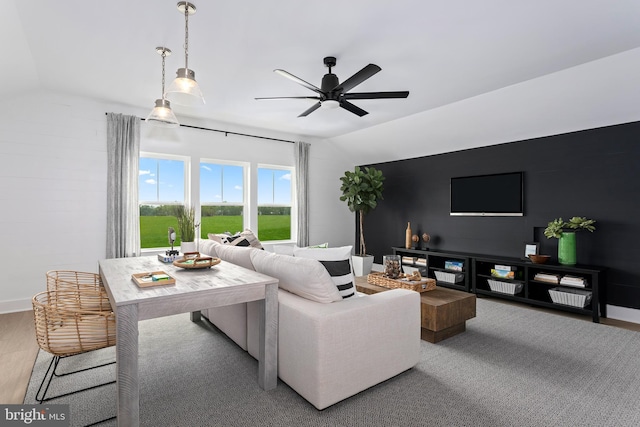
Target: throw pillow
column 235, row 254
column 306, row 278
column 337, row 262
column 242, row 238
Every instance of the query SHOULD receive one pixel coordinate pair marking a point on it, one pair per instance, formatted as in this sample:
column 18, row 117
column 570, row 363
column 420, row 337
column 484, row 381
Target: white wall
column 53, row 184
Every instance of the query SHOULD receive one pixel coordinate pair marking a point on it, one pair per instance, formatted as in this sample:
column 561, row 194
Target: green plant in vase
column 564, row 231
column 186, row 217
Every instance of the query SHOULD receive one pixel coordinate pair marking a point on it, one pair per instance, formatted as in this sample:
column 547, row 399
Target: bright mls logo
column 36, row 415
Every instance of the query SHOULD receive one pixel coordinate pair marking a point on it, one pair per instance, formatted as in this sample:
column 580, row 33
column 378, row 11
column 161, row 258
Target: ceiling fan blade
column 354, row 109
column 287, row 97
column 376, row 95
column 313, row 108
column 358, row 78
column 298, row 80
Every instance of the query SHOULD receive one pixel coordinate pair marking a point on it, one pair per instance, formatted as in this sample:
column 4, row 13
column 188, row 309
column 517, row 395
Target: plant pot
column 362, row 265
column 186, row 247
column 567, row 248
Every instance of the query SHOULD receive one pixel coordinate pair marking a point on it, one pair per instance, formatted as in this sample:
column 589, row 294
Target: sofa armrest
column 328, row 352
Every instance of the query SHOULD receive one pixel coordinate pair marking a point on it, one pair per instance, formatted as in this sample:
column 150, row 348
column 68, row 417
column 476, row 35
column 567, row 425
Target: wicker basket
column 572, row 297
column 65, row 326
column 445, row 276
column 510, row 288
column 378, row 278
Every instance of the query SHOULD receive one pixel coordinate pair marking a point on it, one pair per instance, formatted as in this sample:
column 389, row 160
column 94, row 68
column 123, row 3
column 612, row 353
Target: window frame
column 293, row 206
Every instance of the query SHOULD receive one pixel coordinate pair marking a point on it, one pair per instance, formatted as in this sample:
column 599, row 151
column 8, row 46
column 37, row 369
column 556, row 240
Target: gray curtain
column 302, row 191
column 123, row 215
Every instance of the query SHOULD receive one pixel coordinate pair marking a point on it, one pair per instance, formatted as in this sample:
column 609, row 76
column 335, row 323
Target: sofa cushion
column 242, row 238
column 236, row 254
column 337, row 261
column 207, row 247
column 287, row 249
column 301, row 276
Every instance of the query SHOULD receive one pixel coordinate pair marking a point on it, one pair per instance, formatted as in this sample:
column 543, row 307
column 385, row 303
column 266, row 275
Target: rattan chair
column 71, row 321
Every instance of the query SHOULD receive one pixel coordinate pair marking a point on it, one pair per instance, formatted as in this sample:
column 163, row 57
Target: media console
column 577, row 289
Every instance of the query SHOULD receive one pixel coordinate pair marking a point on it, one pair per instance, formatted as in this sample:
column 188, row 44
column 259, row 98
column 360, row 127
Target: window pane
column 161, row 180
column 221, row 219
column 274, row 204
column 221, row 183
column 274, row 187
column 154, row 225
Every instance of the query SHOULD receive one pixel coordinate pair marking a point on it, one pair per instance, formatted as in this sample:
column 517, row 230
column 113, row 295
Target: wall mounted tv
column 488, row 195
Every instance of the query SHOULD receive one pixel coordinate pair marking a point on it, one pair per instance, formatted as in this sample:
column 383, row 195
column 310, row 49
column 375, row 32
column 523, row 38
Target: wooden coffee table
column 443, row 311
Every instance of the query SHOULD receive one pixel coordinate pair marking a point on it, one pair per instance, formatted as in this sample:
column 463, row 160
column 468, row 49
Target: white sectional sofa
column 327, row 351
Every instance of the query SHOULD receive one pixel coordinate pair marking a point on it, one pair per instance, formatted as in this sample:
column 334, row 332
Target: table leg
column 128, row 387
column 268, row 363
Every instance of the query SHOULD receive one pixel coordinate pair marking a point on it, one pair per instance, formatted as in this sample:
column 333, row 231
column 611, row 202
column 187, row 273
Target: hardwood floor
column 18, row 350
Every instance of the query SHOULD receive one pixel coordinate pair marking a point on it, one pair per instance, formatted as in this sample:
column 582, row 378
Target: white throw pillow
column 337, row 261
column 304, row 277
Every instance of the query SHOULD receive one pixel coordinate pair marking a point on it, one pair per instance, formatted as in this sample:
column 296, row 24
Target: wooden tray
column 145, row 280
column 378, row 278
column 193, row 260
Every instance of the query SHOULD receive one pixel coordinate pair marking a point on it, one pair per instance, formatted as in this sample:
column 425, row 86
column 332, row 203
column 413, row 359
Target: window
column 161, row 187
column 222, row 197
column 274, row 203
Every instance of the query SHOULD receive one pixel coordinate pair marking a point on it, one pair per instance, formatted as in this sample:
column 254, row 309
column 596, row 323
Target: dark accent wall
column 593, row 173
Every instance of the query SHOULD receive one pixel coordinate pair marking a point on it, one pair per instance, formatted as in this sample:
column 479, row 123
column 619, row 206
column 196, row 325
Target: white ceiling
column 443, row 52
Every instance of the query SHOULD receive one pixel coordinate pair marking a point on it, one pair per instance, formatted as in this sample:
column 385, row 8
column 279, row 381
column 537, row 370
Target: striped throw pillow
column 337, row 262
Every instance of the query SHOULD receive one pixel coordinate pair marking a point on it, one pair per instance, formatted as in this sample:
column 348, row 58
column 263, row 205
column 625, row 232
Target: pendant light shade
column 162, row 115
column 184, row 90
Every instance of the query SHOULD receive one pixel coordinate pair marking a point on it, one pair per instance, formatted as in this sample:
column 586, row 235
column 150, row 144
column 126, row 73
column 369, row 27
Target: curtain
column 302, row 187
column 123, row 215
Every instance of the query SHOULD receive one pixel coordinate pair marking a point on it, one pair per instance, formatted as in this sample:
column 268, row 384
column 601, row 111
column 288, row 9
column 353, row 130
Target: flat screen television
column 488, row 195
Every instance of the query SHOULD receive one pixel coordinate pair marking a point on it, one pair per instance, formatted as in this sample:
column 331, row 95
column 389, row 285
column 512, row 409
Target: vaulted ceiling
column 443, row 52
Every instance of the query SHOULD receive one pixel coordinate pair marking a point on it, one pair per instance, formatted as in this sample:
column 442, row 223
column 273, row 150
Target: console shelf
column 529, row 283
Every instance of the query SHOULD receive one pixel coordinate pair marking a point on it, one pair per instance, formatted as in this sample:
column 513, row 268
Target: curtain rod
column 226, row 132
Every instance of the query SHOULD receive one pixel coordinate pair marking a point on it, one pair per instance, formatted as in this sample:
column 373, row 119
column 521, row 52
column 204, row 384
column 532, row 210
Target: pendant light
column 162, row 115
column 185, row 90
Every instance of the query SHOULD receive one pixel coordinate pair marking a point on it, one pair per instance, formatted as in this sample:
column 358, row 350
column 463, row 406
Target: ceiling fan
column 333, row 94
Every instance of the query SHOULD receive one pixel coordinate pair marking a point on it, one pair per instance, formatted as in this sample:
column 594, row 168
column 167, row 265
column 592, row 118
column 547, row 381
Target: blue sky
column 163, row 180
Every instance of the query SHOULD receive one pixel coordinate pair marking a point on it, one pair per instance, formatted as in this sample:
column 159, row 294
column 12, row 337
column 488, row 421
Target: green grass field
column 154, row 229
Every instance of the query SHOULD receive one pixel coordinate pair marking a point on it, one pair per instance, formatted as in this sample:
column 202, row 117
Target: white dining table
column 194, row 290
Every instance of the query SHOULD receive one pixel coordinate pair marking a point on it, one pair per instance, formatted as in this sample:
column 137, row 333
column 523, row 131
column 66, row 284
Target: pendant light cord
column 186, row 35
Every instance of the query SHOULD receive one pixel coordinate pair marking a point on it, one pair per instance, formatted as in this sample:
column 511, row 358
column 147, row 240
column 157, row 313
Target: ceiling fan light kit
column 184, row 90
column 162, row 115
column 333, row 94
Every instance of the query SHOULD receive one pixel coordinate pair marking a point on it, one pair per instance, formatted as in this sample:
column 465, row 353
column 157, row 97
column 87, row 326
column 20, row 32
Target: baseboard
column 623, row 313
column 15, row 305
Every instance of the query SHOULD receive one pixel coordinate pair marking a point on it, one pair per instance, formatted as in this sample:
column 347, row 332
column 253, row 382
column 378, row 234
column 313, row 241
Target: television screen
column 490, row 195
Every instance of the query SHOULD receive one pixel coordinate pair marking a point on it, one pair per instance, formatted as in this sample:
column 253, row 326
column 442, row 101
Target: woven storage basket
column 64, row 325
column 510, row 288
column 377, row 278
column 572, row 297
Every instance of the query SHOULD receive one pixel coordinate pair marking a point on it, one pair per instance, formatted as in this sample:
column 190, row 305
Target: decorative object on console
column 530, row 248
column 362, row 189
column 539, row 259
column 414, row 240
column 425, row 239
column 407, row 238
column 184, row 90
column 565, row 233
column 162, row 115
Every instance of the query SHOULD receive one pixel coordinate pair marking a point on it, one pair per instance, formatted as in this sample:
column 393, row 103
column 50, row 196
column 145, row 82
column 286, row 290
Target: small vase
column 186, row 247
column 567, row 248
column 408, row 234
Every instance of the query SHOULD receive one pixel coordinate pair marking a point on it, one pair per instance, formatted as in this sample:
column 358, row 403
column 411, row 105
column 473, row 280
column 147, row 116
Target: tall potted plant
column 186, row 228
column 564, row 231
column 362, row 189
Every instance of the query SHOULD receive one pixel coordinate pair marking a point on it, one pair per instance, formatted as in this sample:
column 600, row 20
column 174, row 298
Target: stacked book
column 547, row 277
column 503, row 271
column 408, row 259
column 573, row 281
column 421, row 261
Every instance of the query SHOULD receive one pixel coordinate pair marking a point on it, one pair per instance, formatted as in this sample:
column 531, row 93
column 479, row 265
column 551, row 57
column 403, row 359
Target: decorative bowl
column 539, row 259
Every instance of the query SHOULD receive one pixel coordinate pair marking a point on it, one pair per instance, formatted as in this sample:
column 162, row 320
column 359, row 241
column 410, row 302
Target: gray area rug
column 512, row 367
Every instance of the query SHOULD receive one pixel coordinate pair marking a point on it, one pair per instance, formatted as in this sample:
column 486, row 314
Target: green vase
column 567, row 248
